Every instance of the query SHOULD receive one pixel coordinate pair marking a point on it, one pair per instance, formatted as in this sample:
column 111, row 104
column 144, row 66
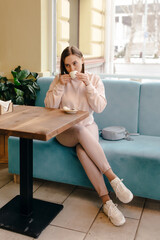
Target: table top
column 38, row 122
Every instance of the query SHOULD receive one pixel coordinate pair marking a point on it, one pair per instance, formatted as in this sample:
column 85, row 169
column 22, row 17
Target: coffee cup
column 73, row 74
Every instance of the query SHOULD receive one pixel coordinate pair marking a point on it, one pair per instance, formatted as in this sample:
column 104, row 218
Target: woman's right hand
column 64, row 79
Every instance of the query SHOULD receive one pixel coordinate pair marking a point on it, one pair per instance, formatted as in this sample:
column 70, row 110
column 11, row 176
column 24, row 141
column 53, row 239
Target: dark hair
column 71, row 50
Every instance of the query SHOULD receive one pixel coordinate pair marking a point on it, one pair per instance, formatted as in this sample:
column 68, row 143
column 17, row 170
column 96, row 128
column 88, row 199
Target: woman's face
column 73, row 63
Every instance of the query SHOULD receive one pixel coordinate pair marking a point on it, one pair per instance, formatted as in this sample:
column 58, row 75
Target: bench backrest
column 149, row 110
column 44, row 83
column 122, row 105
column 130, row 104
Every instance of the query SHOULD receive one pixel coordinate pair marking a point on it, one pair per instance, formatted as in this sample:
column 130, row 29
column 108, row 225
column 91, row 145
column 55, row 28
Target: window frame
column 90, row 61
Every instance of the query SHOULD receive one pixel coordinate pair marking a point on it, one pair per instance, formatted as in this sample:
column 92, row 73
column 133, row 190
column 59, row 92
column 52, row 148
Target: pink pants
column 89, row 152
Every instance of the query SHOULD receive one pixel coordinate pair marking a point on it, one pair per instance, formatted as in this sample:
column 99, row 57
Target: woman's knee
column 80, row 131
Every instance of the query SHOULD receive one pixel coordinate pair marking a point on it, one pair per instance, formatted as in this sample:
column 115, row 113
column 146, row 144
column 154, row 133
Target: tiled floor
column 82, row 217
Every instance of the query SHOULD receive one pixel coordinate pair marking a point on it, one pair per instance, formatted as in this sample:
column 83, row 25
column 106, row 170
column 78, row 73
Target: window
column 81, row 23
column 92, row 23
column 120, row 36
column 137, row 35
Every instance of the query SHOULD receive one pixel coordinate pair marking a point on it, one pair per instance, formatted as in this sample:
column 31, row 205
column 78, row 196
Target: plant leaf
column 19, row 92
column 20, row 100
column 14, row 73
column 16, row 82
column 3, row 87
column 36, row 86
column 31, row 89
column 9, row 84
column 23, row 74
column 18, row 69
column 3, row 79
column 34, row 74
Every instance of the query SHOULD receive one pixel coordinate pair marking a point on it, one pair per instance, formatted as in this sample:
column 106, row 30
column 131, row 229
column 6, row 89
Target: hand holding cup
column 73, row 74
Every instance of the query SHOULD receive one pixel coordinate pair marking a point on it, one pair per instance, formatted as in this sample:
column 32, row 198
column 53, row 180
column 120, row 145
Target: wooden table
column 23, row 214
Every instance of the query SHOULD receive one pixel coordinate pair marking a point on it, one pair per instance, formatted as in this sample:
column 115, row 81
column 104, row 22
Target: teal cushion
column 51, row 161
column 122, row 105
column 149, row 114
column 44, row 83
column 138, row 162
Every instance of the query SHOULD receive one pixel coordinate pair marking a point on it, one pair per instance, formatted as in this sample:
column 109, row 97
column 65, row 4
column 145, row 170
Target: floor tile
column 53, row 192
column 103, row 229
column 80, row 210
column 5, row 177
column 3, row 165
column 8, row 192
column 12, row 189
column 133, row 209
column 8, row 235
column 81, row 214
column 149, row 227
column 57, row 233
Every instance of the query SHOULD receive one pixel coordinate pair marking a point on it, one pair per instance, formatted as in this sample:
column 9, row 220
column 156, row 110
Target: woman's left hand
column 83, row 77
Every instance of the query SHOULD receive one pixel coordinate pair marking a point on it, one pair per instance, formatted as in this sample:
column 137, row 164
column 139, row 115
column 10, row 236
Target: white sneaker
column 115, row 216
column 121, row 191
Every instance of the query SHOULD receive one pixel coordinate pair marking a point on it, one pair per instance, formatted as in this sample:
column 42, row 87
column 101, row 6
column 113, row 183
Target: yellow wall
column 23, row 39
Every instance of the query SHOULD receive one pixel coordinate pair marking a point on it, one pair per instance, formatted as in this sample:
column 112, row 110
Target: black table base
column 24, row 214
column 32, row 225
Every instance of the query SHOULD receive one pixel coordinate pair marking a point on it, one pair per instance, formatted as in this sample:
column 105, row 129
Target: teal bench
column 130, row 104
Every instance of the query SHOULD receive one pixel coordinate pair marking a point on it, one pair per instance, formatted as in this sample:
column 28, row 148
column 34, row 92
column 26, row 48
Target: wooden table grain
column 24, row 214
column 38, row 122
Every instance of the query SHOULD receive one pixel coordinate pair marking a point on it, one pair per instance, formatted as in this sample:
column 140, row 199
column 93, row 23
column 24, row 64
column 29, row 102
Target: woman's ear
column 82, row 60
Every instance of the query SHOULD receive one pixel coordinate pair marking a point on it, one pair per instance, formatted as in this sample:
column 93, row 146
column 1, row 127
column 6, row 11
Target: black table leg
column 23, row 214
column 26, row 175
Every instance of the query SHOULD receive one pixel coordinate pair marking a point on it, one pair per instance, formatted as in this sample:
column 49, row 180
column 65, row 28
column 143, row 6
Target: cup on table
column 73, row 74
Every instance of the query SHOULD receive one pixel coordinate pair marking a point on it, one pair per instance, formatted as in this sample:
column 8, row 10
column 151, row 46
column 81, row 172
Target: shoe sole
column 118, row 225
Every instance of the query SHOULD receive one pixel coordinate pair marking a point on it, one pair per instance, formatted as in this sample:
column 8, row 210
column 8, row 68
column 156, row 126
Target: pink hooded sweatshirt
column 76, row 95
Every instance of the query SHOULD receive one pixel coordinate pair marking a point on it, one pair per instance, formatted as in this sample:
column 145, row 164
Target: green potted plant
column 22, row 90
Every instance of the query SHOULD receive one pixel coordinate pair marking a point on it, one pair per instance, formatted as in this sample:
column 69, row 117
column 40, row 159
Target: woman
column 86, row 92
